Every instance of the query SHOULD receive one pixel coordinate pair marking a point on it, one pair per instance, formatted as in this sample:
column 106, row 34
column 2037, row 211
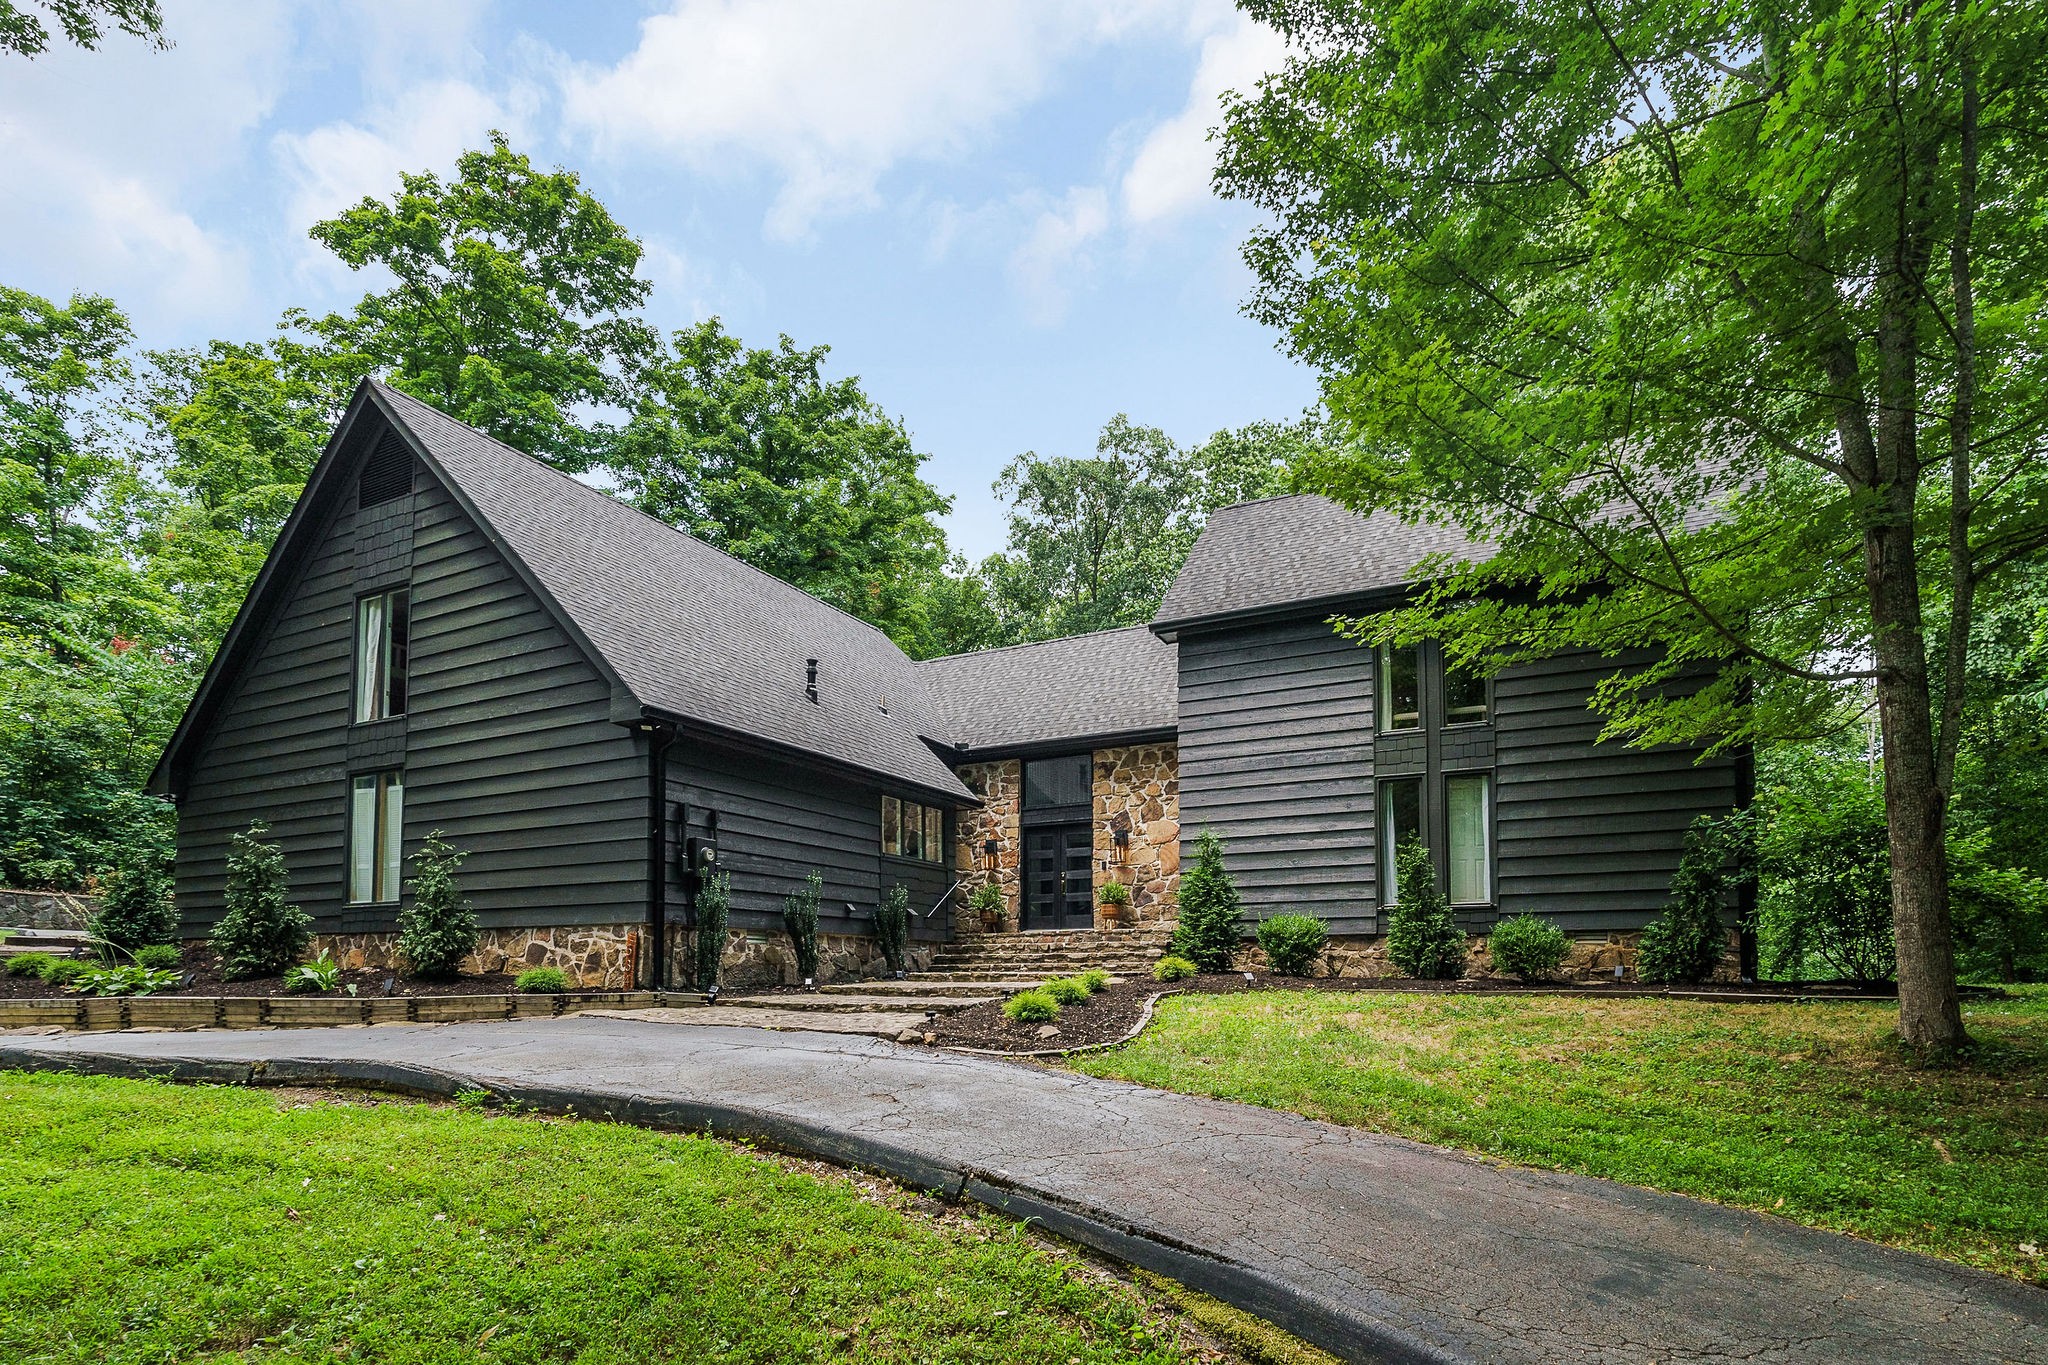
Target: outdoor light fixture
column 989, row 849
column 807, row 984
column 711, row 995
column 1247, row 980
column 390, row 984
column 1122, row 839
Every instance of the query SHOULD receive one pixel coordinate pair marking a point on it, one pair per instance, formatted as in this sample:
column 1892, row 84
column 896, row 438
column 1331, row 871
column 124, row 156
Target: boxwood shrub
column 1031, row 1007
column 160, row 956
column 1527, row 946
column 1293, row 943
column 28, row 964
column 1171, row 968
column 541, row 981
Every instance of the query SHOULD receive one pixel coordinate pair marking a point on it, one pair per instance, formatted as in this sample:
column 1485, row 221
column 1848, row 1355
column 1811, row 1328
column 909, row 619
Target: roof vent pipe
column 811, row 680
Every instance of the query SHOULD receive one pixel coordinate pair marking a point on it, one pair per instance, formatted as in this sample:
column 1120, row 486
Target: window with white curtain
column 383, row 627
column 1469, row 814
column 376, row 837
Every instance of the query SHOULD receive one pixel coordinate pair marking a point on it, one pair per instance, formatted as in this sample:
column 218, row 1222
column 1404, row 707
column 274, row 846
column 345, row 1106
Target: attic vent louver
column 387, row 474
column 811, row 679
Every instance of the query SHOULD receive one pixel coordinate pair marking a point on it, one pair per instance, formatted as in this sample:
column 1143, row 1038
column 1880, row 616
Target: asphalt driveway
column 1373, row 1247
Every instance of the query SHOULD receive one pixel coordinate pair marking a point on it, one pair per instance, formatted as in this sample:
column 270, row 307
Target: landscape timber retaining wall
column 97, row 1014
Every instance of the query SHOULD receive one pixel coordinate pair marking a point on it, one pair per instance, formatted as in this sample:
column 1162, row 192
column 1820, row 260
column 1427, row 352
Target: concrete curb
column 1338, row 1328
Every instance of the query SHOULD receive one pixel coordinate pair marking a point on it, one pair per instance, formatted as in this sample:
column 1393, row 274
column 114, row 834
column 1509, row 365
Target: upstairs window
column 913, row 831
column 1464, row 697
column 1400, row 673
column 383, row 624
column 1068, row 781
column 376, row 836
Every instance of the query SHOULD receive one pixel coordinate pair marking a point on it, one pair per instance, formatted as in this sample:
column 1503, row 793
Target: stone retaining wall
column 1592, row 959
column 45, row 910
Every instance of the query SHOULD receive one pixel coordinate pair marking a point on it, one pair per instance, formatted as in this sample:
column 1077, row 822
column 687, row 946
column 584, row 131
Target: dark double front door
column 1059, row 882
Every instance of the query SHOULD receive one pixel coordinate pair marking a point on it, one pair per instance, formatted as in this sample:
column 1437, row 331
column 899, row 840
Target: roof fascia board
column 1335, row 604
column 257, row 605
column 1047, row 748
column 887, row 783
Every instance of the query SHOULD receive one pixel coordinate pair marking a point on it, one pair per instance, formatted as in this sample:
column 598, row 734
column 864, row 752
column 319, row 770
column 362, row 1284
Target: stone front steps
column 862, row 998
column 55, row 942
column 1014, row 961
column 953, row 985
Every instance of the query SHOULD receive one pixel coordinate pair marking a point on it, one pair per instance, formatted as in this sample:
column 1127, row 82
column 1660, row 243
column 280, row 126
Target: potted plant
column 1115, row 899
column 987, row 901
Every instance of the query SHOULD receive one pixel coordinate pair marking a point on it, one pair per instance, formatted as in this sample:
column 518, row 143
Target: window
column 376, row 836
column 1400, row 673
column 383, row 626
column 1400, row 821
column 1467, row 811
column 1067, row 781
column 913, row 831
column 1464, row 697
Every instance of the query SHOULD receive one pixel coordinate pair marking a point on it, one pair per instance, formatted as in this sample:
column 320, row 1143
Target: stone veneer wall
column 1592, row 959
column 46, row 910
column 1137, row 789
column 1000, row 785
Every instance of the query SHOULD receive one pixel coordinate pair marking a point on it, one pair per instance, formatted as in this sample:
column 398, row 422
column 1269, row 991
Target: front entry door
column 1059, row 887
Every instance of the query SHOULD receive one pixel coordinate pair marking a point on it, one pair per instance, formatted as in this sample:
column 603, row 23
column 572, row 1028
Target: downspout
column 660, row 736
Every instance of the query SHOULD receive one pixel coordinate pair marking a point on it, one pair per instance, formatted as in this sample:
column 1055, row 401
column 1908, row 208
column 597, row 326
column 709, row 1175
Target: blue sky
column 996, row 212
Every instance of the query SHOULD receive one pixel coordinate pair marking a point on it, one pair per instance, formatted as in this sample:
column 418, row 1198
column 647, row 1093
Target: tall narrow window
column 1400, row 821
column 376, row 836
column 1468, row 813
column 934, row 835
column 383, row 628
column 1464, row 697
column 892, row 826
column 1400, row 673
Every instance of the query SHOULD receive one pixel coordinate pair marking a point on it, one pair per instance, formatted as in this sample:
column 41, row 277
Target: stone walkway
column 1372, row 1247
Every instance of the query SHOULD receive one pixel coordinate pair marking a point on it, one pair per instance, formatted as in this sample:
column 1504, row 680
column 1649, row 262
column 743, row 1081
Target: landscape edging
column 1346, row 1334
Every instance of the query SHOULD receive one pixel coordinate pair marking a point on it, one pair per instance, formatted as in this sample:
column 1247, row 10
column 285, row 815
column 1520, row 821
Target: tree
column 259, row 933
column 1207, row 932
column 512, row 302
column 714, row 902
column 136, row 909
column 1723, row 325
column 84, row 23
column 438, row 929
column 1687, row 941
column 754, row 451
column 1423, row 937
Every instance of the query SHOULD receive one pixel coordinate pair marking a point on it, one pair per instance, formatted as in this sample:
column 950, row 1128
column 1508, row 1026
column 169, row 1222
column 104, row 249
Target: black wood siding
column 507, row 744
column 1276, row 751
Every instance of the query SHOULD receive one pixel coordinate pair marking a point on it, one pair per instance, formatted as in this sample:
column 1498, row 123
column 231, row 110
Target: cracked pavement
column 1373, row 1247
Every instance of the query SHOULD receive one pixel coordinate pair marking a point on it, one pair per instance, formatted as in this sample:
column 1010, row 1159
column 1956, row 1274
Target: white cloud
column 1170, row 173
column 830, row 95
column 1054, row 258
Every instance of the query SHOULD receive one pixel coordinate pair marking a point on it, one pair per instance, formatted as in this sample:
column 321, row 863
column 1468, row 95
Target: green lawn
column 1804, row 1110
column 145, row 1222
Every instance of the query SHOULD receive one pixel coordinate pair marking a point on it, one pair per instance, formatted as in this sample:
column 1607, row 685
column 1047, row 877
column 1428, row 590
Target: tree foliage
column 1686, row 942
column 259, row 932
column 136, row 910
column 83, row 22
column 1208, row 931
column 437, row 929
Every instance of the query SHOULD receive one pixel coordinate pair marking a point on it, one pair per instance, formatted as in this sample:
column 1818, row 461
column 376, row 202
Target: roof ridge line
column 1034, row 644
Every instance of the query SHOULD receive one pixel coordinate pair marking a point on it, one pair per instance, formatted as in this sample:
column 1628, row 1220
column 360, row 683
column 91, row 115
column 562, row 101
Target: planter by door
column 1059, row 890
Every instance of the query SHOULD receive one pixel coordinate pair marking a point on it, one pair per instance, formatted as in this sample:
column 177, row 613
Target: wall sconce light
column 989, row 849
column 1121, row 838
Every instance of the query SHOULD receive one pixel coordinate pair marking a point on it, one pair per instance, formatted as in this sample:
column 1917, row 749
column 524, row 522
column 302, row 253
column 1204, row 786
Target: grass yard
column 145, row 1222
column 1805, row 1111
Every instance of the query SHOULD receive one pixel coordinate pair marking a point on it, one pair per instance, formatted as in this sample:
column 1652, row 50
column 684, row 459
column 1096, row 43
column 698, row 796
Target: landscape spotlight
column 711, row 995
column 1247, row 980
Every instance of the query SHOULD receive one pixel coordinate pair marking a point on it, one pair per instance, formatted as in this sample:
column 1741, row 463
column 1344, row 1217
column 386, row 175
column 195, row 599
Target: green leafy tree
column 800, row 922
column 135, row 906
column 1725, row 325
column 259, row 933
column 1423, row 937
column 1686, row 942
column 1208, row 931
column 512, row 303
column 438, row 929
column 714, row 905
column 892, row 927
column 83, row 22
column 756, row 452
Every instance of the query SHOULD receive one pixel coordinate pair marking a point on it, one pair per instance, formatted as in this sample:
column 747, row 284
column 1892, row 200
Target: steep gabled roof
column 1302, row 550
column 690, row 631
column 1101, row 686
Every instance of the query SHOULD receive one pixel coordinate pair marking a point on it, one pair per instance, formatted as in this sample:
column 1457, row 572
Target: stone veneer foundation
column 1592, row 959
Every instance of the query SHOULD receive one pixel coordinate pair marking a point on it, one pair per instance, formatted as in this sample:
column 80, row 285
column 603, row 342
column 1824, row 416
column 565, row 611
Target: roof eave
column 1064, row 744
column 1170, row 629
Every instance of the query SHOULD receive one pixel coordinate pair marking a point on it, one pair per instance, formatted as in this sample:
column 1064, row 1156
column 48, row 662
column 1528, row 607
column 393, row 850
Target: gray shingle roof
column 1082, row 687
column 1304, row 548
column 689, row 630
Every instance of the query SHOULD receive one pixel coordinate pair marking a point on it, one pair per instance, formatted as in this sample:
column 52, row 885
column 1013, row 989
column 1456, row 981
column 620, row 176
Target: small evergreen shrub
column 135, row 906
column 1031, row 1007
column 1208, row 934
column 1686, row 941
column 1113, row 893
column 800, row 920
column 1066, row 990
column 160, row 956
column 28, row 964
column 1171, row 968
column 1423, row 937
column 1095, row 979
column 714, row 904
column 1293, row 943
column 892, row 927
column 438, row 929
column 1528, row 946
column 541, row 981
column 258, row 932
column 321, row 975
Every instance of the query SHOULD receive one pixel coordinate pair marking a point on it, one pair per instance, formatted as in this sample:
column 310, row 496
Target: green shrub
column 1423, row 937
column 987, row 899
column 160, row 956
column 1171, row 968
column 1066, row 990
column 96, row 980
column 438, row 929
column 1208, row 933
column 1095, row 979
column 28, row 964
column 61, row 971
column 321, row 975
column 541, row 981
column 1528, row 946
column 258, row 933
column 892, row 927
column 135, row 907
column 714, row 903
column 1113, row 893
column 1293, row 943
column 1031, row 1007
column 1685, row 943
column 800, row 920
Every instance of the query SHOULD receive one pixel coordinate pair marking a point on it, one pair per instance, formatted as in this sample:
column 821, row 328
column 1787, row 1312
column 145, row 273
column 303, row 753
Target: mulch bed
column 207, row 980
column 1109, row 1016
